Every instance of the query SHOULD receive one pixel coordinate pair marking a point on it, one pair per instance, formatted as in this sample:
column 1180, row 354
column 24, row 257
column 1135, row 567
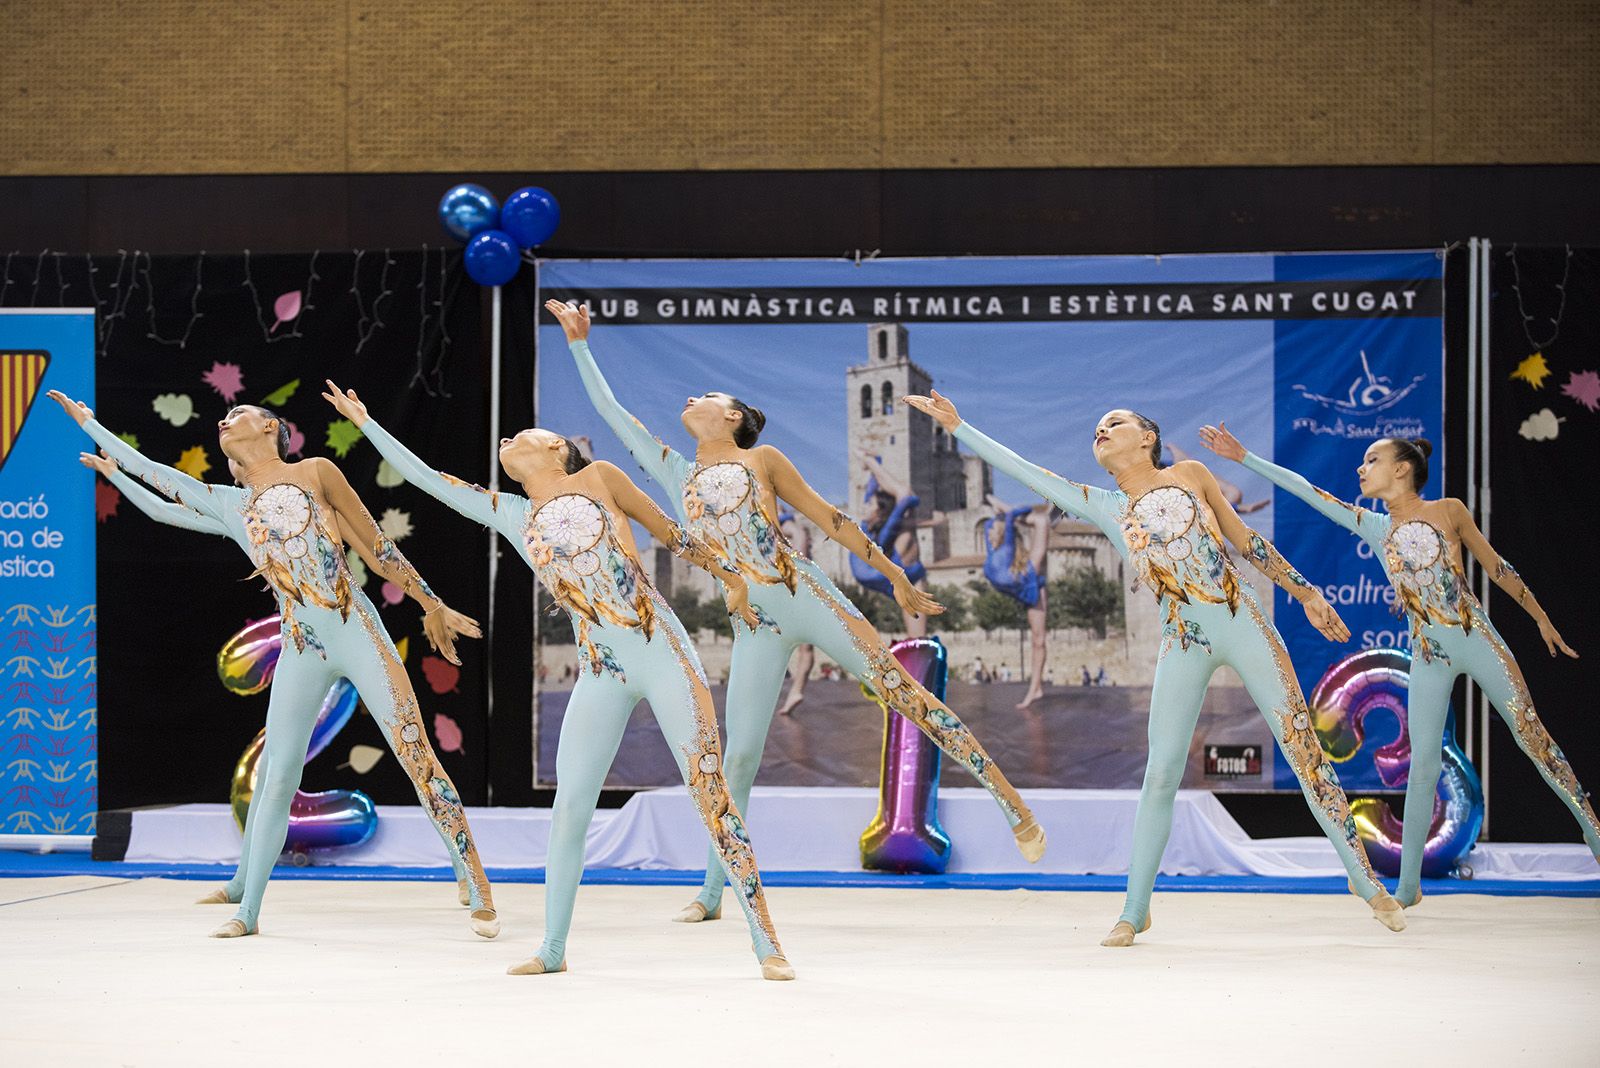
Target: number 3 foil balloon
column 322, row 820
column 1377, row 681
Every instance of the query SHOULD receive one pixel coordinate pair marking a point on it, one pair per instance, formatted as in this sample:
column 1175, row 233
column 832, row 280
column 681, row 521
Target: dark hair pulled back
column 1147, row 423
column 1414, row 451
column 574, row 461
column 749, row 428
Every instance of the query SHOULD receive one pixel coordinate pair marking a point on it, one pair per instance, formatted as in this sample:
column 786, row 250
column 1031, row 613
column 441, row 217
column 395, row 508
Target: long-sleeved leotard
column 731, row 508
column 330, row 629
column 631, row 647
column 1000, row 561
column 172, row 514
column 1450, row 636
column 1172, row 543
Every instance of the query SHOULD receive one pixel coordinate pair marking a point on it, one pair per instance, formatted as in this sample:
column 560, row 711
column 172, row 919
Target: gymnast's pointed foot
column 792, row 702
column 219, row 896
column 1387, row 911
column 696, row 912
column 1122, row 933
column 1416, row 899
column 234, row 928
column 1029, row 698
column 777, row 968
column 536, row 966
column 1030, row 839
column 485, row 924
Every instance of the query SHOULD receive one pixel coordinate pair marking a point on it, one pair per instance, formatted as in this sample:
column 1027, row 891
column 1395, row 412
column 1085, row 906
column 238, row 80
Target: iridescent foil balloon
column 320, row 820
column 248, row 659
column 1376, row 681
column 905, row 835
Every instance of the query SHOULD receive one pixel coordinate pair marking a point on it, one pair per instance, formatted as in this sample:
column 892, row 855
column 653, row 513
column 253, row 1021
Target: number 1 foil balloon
column 1377, row 681
column 322, row 820
column 905, row 835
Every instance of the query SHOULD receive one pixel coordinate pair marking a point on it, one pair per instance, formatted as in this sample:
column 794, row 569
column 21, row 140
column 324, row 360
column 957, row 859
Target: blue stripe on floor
column 18, row 864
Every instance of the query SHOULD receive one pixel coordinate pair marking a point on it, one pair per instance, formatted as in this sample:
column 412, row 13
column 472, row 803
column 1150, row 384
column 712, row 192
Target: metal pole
column 1472, row 448
column 494, row 487
column 534, row 659
column 1484, row 502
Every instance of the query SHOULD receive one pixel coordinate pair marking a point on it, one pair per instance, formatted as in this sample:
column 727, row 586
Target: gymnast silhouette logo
column 1368, row 392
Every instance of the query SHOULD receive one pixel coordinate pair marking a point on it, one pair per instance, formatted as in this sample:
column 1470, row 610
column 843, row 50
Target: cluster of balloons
column 495, row 235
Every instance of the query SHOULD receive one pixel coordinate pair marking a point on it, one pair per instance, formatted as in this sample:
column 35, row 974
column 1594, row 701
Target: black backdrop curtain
column 182, row 338
column 1544, row 440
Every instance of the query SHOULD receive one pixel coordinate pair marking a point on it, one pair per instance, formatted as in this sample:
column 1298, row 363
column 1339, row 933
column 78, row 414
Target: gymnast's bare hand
column 737, row 599
column 915, row 601
column 940, row 407
column 101, row 462
column 1220, row 441
column 443, row 624
column 574, row 318
column 1325, row 619
column 1552, row 639
column 347, row 403
column 80, row 412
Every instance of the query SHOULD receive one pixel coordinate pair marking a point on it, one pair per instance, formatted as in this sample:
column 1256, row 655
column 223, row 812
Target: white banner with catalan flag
column 48, row 683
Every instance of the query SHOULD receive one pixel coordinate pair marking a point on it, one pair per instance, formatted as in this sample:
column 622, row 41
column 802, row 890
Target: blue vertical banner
column 1342, row 383
column 48, row 704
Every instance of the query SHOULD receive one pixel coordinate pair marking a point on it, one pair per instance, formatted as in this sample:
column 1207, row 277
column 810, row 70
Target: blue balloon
column 530, row 216
column 467, row 210
column 492, row 258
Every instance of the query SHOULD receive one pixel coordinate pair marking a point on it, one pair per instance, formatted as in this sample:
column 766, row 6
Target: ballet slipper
column 1414, row 902
column 695, row 912
column 234, row 928
column 1030, row 840
column 536, row 966
column 485, row 924
column 1387, row 911
column 1122, row 933
column 777, row 968
column 219, row 896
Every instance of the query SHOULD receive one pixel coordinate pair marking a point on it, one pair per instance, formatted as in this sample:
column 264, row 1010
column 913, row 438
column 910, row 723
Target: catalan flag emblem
column 20, row 375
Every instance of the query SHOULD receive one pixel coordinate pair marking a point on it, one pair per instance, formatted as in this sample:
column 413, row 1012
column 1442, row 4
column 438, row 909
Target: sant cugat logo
column 1368, row 393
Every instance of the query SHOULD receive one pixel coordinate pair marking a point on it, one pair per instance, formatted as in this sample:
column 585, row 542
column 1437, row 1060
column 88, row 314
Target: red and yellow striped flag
column 20, row 375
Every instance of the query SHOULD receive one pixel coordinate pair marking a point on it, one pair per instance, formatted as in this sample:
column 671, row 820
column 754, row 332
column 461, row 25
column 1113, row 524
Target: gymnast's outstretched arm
column 788, row 484
column 1352, row 517
column 1504, row 575
column 1088, row 503
column 148, row 501
column 190, row 492
column 1263, row 555
column 662, row 464
column 634, row 503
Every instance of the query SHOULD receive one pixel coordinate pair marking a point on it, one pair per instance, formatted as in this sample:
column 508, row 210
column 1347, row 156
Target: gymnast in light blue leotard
column 1169, row 524
column 631, row 647
column 292, row 519
column 176, row 515
column 729, row 497
column 1419, row 544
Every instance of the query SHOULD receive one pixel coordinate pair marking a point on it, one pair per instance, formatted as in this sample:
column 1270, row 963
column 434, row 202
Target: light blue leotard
column 1172, row 543
column 631, row 647
column 176, row 515
column 1450, row 636
column 722, row 504
column 330, row 630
